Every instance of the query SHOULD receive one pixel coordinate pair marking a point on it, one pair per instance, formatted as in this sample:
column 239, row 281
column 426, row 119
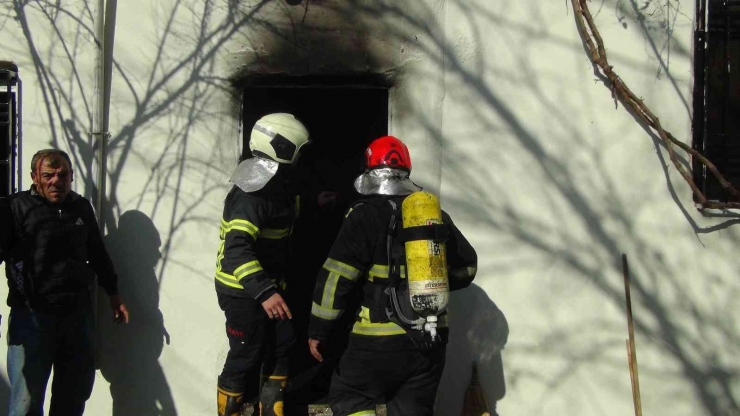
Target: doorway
column 343, row 115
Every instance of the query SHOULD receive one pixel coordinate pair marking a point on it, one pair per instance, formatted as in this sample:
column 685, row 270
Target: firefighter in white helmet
column 251, row 268
column 396, row 350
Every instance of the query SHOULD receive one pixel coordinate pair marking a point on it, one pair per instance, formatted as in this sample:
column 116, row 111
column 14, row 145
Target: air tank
column 426, row 261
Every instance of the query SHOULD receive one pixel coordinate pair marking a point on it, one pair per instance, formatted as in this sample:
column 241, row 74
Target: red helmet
column 387, row 152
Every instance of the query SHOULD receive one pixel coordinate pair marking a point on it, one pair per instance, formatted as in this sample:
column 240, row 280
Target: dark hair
column 41, row 154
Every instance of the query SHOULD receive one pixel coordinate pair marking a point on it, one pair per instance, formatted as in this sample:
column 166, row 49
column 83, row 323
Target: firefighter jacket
column 252, row 259
column 52, row 252
column 359, row 260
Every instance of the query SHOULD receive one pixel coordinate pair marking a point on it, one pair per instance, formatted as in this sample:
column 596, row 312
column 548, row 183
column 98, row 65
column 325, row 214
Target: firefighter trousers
column 257, row 345
column 406, row 381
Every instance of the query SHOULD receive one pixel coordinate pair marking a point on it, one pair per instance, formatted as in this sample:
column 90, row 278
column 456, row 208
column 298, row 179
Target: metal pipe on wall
column 105, row 28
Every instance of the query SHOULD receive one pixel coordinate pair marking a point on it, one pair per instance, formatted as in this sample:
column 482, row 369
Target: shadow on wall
column 129, row 354
column 4, row 394
column 478, row 331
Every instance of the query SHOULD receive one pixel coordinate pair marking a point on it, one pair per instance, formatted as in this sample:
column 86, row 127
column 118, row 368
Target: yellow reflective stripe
column 228, row 393
column 377, row 329
column 240, row 225
column 297, row 209
column 275, row 233
column 364, row 413
column 226, row 276
column 364, row 314
column 380, row 271
column 342, row 269
column 324, row 313
column 225, row 279
column 330, row 288
column 348, row 212
column 368, row 325
column 220, row 255
column 245, row 226
column 246, row 269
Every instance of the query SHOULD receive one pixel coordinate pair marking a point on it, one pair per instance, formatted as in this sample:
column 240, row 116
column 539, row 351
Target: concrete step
column 314, row 410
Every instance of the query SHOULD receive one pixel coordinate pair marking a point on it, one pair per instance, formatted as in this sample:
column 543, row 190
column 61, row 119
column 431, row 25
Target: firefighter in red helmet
column 396, row 352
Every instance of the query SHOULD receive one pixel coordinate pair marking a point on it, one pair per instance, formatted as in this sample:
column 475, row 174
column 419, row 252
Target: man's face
column 53, row 178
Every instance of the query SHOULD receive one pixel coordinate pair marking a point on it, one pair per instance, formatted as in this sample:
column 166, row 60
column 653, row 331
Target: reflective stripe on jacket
column 254, row 249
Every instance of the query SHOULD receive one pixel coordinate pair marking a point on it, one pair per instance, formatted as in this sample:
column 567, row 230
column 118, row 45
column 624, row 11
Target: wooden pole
column 631, row 352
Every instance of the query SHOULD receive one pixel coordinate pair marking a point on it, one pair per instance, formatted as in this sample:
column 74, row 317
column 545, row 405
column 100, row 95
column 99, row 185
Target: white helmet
column 278, row 137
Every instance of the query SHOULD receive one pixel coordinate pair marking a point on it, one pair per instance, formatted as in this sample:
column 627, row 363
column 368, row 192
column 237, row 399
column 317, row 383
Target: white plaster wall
column 505, row 119
column 552, row 183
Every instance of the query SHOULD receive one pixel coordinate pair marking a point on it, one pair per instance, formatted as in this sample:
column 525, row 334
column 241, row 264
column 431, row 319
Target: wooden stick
column 631, row 352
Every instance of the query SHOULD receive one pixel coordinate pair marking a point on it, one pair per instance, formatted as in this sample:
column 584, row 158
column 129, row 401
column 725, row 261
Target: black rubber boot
column 229, row 403
column 271, row 396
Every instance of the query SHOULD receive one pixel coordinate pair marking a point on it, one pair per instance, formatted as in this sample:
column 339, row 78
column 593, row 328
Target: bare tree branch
column 620, row 91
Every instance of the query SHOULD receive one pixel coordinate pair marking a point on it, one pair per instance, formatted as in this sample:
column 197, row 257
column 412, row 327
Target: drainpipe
column 105, row 27
column 98, row 141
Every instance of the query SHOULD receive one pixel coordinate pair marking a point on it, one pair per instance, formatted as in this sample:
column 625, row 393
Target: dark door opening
column 342, row 120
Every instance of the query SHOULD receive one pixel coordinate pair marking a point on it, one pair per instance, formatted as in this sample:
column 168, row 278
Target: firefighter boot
column 271, row 396
column 229, row 403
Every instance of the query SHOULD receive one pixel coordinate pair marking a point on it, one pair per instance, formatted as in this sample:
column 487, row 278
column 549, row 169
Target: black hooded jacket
column 52, row 252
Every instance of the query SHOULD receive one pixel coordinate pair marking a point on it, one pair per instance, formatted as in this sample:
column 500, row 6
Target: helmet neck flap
column 251, row 175
column 385, row 181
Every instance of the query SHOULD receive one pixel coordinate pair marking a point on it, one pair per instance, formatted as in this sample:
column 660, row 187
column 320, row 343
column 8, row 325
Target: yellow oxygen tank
column 426, row 261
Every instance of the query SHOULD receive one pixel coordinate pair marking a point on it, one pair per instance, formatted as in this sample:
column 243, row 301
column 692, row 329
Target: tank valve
column 431, row 326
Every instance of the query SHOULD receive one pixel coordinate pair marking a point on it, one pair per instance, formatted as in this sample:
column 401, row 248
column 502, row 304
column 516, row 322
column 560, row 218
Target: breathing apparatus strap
column 439, row 233
column 394, row 271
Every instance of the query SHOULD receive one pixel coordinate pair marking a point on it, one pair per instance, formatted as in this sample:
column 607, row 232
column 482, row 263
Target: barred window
column 716, row 122
column 9, row 130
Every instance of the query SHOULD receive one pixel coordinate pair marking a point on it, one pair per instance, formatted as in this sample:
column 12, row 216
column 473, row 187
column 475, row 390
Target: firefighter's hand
column 275, row 307
column 314, row 345
column 120, row 313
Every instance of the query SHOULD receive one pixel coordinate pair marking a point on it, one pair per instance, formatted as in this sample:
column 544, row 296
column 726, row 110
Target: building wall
column 506, row 119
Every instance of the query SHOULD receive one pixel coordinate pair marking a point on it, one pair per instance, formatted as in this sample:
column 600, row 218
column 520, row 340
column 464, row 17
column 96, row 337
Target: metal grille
column 717, row 93
column 9, row 116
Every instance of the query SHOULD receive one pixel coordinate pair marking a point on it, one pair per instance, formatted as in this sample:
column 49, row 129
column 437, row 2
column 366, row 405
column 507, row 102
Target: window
column 9, row 130
column 716, row 124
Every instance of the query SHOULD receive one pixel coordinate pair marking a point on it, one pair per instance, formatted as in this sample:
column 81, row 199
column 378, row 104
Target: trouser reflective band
column 271, row 396
column 364, row 413
column 229, row 403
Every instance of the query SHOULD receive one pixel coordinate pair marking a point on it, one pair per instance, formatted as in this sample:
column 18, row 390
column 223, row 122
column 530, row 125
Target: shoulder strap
column 393, row 247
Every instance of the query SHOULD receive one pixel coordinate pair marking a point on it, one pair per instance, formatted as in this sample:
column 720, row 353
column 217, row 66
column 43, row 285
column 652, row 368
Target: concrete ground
column 316, row 410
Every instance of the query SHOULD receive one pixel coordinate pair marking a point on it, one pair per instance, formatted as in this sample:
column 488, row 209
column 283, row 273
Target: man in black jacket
column 251, row 268
column 52, row 249
column 387, row 361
